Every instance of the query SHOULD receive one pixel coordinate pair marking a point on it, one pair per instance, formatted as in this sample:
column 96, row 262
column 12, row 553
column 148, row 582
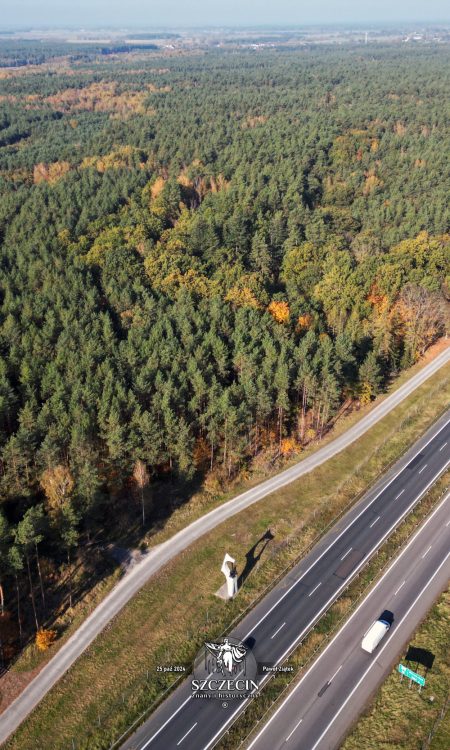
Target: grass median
column 260, row 710
column 117, row 678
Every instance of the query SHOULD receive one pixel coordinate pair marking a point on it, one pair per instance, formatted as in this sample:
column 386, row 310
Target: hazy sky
column 216, row 12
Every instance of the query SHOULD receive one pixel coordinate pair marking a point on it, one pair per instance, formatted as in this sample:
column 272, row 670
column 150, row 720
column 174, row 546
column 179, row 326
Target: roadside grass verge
column 182, row 514
column 410, row 719
column 260, row 710
column 439, row 735
column 116, row 678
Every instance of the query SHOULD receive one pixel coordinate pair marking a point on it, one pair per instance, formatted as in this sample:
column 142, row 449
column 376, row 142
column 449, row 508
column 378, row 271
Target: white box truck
column 374, row 635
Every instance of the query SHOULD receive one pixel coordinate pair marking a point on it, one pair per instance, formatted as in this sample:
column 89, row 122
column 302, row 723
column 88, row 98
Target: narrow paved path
column 128, row 586
column 278, row 623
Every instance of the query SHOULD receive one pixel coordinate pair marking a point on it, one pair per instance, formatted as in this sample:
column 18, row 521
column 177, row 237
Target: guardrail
column 446, row 706
column 76, row 744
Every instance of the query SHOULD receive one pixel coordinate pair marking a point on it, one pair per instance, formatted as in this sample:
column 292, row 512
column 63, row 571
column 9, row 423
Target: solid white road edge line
column 166, row 722
column 332, row 599
column 34, row 691
column 346, row 528
column 424, row 588
column 143, row 747
column 322, row 654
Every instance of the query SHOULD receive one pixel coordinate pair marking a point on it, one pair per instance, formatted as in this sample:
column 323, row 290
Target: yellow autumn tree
column 192, row 280
column 279, row 311
column 105, row 242
column 50, row 173
column 242, row 296
column 371, row 183
column 45, row 638
column 100, row 96
column 125, row 157
column 58, row 485
column 304, row 322
column 289, row 445
column 366, row 395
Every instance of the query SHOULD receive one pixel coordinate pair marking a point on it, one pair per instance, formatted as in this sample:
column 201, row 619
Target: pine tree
column 15, row 561
column 26, row 538
column 370, row 378
column 4, row 567
column 67, row 523
column 142, row 478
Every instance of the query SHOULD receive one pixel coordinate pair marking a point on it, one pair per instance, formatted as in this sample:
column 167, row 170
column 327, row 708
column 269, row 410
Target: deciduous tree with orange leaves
column 279, row 311
column 45, row 638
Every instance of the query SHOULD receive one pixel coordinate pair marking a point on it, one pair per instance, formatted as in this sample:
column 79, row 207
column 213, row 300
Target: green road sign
column 412, row 675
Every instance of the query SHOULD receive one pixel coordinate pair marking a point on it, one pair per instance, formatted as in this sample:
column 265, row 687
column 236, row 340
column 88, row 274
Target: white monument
column 229, row 570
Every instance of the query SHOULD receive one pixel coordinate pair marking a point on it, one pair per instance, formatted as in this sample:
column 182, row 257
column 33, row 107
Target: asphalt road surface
column 130, row 584
column 322, row 707
column 280, row 621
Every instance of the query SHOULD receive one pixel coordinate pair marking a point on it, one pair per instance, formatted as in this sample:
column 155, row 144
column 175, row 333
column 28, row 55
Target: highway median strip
column 269, row 702
column 296, row 514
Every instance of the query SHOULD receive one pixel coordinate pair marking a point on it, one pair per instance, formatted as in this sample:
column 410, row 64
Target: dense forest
column 204, row 255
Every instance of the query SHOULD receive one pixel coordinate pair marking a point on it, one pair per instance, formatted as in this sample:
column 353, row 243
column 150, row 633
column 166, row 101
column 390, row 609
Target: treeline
column 21, row 53
column 186, row 286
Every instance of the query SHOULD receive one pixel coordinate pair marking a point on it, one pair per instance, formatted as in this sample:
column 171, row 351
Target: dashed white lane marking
column 332, row 678
column 347, row 553
column 382, row 649
column 400, row 493
column 188, row 732
column 442, row 447
column 427, row 551
column 277, row 631
column 401, row 585
column 448, row 523
column 423, row 468
column 296, row 727
column 341, row 533
column 395, row 562
column 315, row 589
column 374, row 522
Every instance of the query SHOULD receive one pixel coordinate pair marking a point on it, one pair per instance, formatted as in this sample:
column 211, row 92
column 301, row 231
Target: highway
column 163, row 553
column 323, row 705
column 280, row 621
